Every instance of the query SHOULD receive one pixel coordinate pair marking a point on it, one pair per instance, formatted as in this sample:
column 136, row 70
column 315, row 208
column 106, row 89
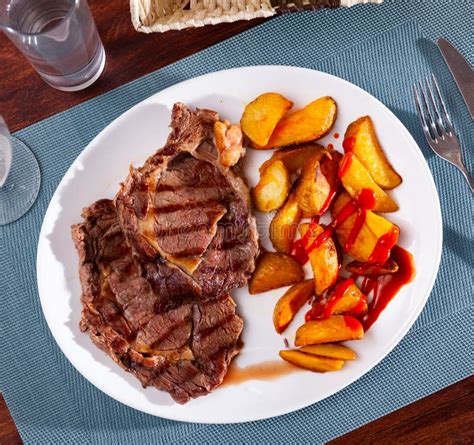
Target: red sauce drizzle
column 383, row 247
column 348, row 144
column 352, row 323
column 360, row 306
column 345, row 165
column 338, row 294
column 385, row 287
column 327, row 203
column 365, row 201
column 336, row 135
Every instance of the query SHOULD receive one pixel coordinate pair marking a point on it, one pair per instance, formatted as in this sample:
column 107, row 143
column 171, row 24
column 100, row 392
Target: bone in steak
column 184, row 350
column 184, row 210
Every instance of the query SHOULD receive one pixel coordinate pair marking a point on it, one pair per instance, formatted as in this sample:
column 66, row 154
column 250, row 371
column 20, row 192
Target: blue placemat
column 381, row 48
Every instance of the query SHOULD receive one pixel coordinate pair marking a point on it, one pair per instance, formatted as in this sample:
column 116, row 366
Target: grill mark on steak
column 184, row 350
column 176, row 188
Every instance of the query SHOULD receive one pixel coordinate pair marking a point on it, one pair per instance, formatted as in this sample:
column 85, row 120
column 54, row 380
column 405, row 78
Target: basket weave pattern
column 164, row 15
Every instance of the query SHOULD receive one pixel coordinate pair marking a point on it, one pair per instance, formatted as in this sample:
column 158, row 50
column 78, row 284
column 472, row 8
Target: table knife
column 461, row 70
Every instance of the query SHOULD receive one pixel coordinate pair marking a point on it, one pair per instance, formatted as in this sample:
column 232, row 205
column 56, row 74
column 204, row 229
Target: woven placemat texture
column 383, row 49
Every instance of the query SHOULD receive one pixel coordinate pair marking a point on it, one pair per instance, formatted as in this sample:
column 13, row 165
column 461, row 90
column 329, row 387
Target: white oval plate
column 136, row 134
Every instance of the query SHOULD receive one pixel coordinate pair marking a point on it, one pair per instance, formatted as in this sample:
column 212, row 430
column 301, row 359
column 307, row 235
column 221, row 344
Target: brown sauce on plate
column 270, row 370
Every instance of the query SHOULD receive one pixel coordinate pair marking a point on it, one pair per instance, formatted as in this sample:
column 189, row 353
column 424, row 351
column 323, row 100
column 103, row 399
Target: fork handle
column 466, row 174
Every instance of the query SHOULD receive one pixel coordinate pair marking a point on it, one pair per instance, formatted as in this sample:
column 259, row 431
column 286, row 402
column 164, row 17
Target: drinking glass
column 58, row 37
column 19, row 177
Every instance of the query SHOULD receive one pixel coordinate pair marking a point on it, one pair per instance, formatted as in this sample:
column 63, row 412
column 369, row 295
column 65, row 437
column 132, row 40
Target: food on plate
column 371, row 269
column 305, row 125
column 314, row 190
column 272, row 190
column 375, row 236
column 324, row 258
column 229, row 143
column 184, row 211
column 311, row 362
column 355, row 178
column 130, row 320
column 346, row 298
column 328, row 330
column 261, row 116
column 284, row 225
column 330, row 350
column 275, row 270
column 294, row 157
column 361, row 140
column 290, row 303
column 157, row 264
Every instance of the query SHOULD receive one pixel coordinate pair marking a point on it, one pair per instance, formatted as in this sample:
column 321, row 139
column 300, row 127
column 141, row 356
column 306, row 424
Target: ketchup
column 336, row 135
column 345, row 164
column 385, row 287
column 348, row 144
column 384, row 246
column 365, row 201
column 330, row 147
column 339, row 292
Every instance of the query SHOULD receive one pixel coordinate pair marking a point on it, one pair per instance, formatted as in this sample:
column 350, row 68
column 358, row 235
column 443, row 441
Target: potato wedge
column 261, row 116
column 284, row 225
column 360, row 139
column 374, row 228
column 313, row 189
column 305, row 125
column 324, row 260
column 272, row 190
column 355, row 177
column 329, row 330
column 294, row 157
column 311, row 362
column 330, row 350
column 275, row 270
column 290, row 303
column 372, row 270
column 352, row 302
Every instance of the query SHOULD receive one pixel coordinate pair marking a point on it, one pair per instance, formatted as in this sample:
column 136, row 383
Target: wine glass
column 20, row 177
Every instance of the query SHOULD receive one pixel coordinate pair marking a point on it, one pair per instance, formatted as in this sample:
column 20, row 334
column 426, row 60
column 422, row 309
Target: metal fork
column 437, row 126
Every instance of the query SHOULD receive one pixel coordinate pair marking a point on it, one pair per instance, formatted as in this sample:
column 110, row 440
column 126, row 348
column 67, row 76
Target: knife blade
column 461, row 70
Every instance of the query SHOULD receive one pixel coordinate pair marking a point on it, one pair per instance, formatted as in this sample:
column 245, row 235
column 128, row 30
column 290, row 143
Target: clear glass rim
column 11, row 30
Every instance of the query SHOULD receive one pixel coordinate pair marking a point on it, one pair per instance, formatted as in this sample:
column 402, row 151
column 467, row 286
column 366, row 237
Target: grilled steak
column 182, row 209
column 184, row 349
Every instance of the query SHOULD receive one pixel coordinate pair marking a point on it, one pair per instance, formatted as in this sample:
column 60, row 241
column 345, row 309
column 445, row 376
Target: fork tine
column 434, row 105
column 430, row 120
column 446, row 116
column 421, row 114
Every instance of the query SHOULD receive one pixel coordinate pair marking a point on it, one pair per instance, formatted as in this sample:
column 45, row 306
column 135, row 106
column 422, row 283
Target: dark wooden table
column 446, row 417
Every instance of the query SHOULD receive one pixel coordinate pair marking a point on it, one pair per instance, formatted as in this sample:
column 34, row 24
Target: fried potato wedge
column 275, row 270
column 330, row 350
column 261, row 116
column 290, row 303
column 284, row 225
column 324, row 260
column 352, row 302
column 305, row 125
column 372, row 270
column 311, row 362
column 361, row 139
column 313, row 189
column 374, row 228
column 355, row 177
column 294, row 157
column 272, row 190
column 329, row 330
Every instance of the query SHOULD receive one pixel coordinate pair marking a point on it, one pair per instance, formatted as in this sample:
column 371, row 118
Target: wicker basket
column 163, row 15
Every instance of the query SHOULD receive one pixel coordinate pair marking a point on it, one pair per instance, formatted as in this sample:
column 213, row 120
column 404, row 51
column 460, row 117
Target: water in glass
column 58, row 37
